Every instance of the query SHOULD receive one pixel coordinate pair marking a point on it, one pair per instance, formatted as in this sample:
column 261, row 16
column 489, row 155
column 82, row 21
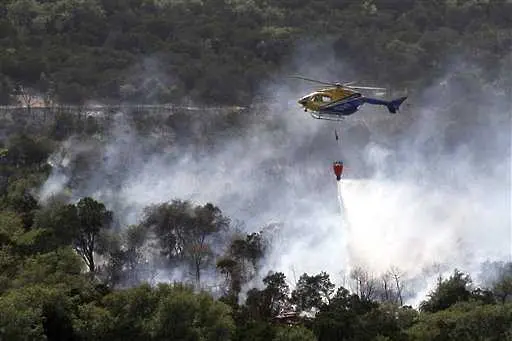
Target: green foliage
column 61, row 267
column 165, row 312
column 126, row 260
column 94, row 323
column 59, row 222
column 219, row 51
column 20, row 199
column 270, row 302
column 182, row 315
column 23, row 151
column 295, row 333
column 11, row 233
column 66, row 274
column 20, row 314
column 341, row 319
column 47, row 295
column 448, row 292
column 187, row 233
column 11, row 228
column 312, row 292
column 502, row 283
column 240, row 263
column 465, row 321
column 92, row 217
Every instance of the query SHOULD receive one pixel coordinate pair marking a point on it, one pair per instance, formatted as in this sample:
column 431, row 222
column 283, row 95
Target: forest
column 70, row 271
column 218, row 51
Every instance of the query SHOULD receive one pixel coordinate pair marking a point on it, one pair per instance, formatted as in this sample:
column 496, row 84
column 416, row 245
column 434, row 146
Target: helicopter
column 341, row 100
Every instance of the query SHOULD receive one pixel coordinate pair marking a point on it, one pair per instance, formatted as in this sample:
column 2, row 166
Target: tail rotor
column 394, row 105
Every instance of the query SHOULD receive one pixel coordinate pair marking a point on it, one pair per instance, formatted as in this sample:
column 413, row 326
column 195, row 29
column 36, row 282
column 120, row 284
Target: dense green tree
column 312, row 292
column 213, row 52
column 128, row 312
column 465, row 321
column 240, row 263
column 219, row 51
column 127, row 261
column 448, row 292
column 340, row 320
column 12, row 239
column 24, row 150
column 92, row 218
column 59, row 267
column 295, row 333
column 59, row 222
column 501, row 284
column 20, row 199
column 187, row 233
column 182, row 315
column 20, row 313
column 270, row 302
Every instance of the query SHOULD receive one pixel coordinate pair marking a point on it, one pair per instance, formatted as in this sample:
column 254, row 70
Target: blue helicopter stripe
column 345, row 106
column 342, row 100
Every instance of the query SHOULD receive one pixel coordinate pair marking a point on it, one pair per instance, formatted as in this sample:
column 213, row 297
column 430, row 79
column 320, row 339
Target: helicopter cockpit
column 322, row 98
column 315, row 97
column 305, row 99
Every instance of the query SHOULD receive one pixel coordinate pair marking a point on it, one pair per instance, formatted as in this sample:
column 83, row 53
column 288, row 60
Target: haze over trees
column 69, row 272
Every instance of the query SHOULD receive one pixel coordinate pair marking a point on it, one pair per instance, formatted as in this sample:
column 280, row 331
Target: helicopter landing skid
column 328, row 117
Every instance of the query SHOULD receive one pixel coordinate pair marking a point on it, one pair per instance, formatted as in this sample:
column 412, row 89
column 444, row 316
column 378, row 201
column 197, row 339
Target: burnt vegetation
column 69, row 272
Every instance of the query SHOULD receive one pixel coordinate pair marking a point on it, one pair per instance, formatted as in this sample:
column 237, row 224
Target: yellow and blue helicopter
column 341, row 100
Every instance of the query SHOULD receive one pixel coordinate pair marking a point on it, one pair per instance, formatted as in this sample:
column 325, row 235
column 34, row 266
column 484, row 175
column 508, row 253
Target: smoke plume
column 427, row 186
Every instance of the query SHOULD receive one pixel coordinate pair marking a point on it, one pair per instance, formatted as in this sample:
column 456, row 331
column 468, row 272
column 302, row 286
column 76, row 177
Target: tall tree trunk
column 198, row 272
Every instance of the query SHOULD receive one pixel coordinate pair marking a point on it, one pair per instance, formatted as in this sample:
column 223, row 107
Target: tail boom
column 392, row 106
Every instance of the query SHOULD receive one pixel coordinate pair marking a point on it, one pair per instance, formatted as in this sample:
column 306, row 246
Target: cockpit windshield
column 322, row 98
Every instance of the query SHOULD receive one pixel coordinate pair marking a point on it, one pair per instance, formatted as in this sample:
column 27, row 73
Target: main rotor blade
column 314, row 80
column 339, row 84
column 364, row 87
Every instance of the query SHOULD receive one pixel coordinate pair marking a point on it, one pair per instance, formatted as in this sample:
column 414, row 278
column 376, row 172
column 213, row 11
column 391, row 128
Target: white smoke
column 425, row 187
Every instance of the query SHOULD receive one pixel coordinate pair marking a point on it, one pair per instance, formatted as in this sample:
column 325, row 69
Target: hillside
column 163, row 184
column 220, row 51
